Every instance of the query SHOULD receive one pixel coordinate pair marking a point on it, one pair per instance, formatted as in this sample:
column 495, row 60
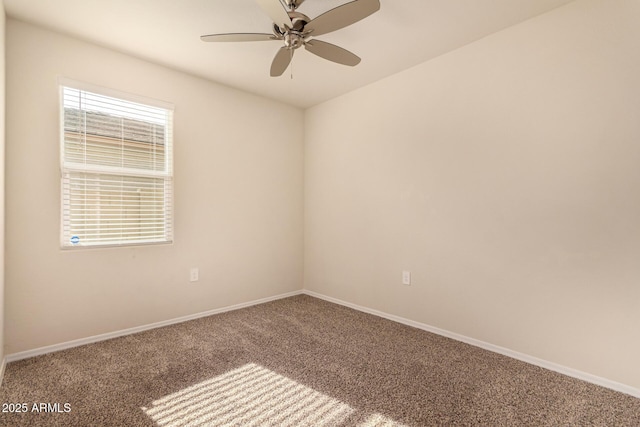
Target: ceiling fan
column 297, row 30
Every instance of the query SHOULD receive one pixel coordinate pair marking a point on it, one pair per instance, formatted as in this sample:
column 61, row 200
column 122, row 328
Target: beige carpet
column 299, row 361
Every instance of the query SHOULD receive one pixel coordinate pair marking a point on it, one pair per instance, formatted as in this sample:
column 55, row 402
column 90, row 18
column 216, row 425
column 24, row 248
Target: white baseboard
column 102, row 337
column 613, row 385
column 2, row 366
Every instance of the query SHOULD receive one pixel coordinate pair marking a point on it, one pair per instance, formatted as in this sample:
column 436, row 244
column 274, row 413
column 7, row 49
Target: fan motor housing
column 298, row 20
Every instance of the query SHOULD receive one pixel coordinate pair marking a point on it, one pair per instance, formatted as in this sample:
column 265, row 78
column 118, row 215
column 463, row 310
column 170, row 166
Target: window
column 116, row 165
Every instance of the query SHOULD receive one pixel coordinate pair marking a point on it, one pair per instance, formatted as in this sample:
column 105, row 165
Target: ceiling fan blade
column 281, row 61
column 276, row 12
column 332, row 52
column 238, row 37
column 342, row 16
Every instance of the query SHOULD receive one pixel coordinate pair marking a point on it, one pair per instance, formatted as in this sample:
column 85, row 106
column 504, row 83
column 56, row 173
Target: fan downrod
column 293, row 4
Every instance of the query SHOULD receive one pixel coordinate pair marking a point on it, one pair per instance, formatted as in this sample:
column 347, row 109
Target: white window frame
column 67, row 167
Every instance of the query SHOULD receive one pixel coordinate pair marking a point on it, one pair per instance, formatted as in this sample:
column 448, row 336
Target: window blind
column 116, row 166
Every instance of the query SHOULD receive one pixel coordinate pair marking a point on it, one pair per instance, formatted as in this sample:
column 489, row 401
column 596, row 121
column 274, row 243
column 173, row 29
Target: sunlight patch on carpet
column 379, row 420
column 250, row 396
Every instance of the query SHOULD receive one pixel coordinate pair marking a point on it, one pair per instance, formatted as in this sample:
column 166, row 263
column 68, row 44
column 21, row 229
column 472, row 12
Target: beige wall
column 2, row 123
column 238, row 200
column 505, row 176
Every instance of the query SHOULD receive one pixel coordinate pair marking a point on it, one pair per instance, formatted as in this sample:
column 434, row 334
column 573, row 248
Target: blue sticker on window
column 75, row 239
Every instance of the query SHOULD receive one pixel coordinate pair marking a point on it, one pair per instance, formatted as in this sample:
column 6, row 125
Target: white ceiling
column 402, row 34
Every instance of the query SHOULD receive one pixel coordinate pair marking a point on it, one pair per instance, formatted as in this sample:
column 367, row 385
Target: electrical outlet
column 194, row 275
column 406, row 277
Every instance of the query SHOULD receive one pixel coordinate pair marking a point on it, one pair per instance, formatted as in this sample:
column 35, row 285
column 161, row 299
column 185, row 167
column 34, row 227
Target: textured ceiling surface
column 402, row 34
